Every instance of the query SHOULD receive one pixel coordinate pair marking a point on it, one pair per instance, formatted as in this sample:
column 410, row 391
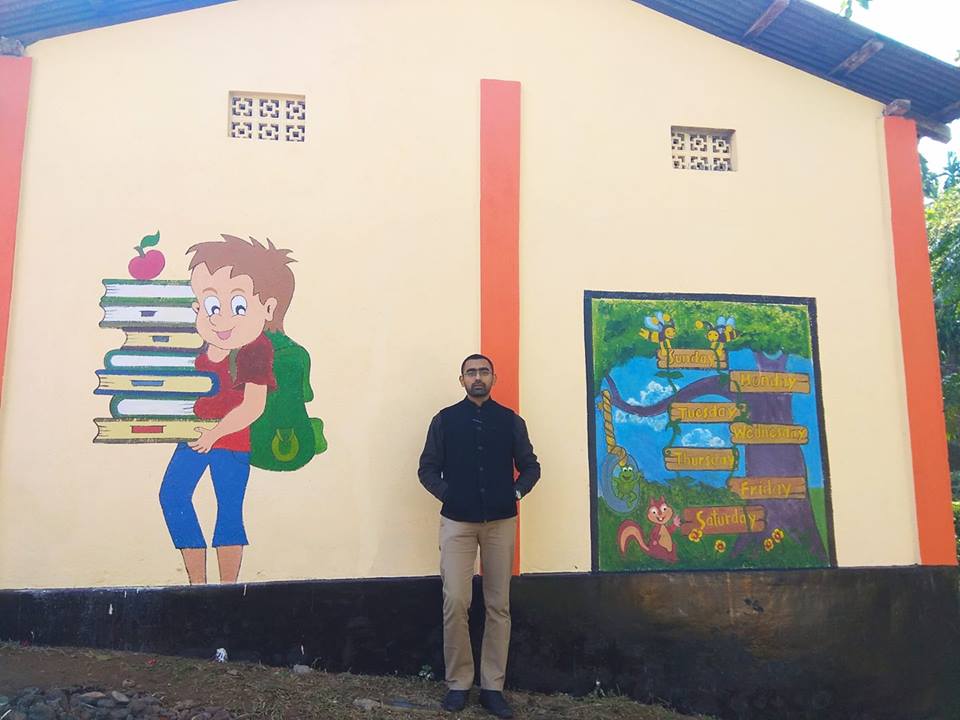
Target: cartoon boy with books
column 242, row 289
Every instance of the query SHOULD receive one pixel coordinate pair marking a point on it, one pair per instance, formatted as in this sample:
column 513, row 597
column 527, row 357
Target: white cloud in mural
column 700, row 437
column 657, row 422
column 653, row 392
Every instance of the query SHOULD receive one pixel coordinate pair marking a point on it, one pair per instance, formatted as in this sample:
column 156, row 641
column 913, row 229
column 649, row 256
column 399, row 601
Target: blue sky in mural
column 646, row 437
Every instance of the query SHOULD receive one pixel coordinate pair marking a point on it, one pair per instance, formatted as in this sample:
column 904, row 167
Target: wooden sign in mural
column 690, row 359
column 724, row 520
column 706, row 412
column 769, row 382
column 706, row 443
column 768, row 434
column 688, row 458
column 768, row 488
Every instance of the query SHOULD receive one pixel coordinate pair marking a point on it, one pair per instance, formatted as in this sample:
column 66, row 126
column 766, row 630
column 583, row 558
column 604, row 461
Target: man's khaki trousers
column 458, row 555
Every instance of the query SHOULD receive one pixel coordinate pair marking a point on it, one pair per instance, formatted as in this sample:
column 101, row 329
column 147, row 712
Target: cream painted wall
column 127, row 134
column 805, row 214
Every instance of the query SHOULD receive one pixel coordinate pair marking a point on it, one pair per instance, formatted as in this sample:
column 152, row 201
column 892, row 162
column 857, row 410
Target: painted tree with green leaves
column 767, row 329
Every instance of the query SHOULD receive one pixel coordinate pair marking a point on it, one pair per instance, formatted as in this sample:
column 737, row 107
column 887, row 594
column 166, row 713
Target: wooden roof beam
column 931, row 129
column 897, row 108
column 925, row 126
column 10, row 46
column 866, row 51
column 950, row 113
column 766, row 19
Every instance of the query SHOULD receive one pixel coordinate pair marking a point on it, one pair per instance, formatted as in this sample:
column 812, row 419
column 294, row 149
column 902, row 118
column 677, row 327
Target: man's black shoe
column 455, row 701
column 495, row 703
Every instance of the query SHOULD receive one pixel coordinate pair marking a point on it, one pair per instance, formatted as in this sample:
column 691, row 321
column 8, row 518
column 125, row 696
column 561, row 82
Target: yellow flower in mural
column 695, row 535
column 768, row 544
column 720, row 546
column 777, row 535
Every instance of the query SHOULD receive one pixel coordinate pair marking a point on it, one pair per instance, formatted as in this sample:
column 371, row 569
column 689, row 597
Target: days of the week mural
column 707, row 448
column 206, row 365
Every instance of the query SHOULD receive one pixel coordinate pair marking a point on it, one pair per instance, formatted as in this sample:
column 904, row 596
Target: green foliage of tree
column 951, row 171
column 935, row 183
column 943, row 232
column 956, row 524
column 951, row 407
column 764, row 328
column 846, row 7
column 930, row 179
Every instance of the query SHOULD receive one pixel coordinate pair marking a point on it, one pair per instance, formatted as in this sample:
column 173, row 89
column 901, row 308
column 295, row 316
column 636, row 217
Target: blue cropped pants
column 229, row 470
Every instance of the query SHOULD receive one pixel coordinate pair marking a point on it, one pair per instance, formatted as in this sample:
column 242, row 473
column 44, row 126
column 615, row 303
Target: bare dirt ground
column 190, row 688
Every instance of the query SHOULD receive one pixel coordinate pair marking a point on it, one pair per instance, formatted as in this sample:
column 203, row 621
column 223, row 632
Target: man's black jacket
column 468, row 459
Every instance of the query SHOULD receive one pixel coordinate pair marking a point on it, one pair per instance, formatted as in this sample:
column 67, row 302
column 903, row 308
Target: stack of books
column 151, row 378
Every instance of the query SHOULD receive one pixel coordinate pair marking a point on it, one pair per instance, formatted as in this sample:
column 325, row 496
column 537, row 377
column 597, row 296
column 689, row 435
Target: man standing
column 468, row 464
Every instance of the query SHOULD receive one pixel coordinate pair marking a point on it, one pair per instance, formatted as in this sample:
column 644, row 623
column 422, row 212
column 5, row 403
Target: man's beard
column 477, row 390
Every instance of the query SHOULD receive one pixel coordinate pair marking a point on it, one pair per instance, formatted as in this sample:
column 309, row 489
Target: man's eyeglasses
column 477, row 372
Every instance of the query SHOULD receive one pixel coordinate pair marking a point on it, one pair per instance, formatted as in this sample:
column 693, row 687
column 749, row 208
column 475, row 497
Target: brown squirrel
column 660, row 544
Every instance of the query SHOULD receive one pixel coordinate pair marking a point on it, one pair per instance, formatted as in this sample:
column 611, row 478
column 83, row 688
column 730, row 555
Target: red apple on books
column 147, row 265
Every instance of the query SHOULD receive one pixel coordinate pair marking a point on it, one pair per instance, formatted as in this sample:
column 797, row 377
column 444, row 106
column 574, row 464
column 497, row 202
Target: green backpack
column 284, row 437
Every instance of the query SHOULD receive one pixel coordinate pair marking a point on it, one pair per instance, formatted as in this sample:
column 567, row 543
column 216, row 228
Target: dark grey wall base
column 848, row 644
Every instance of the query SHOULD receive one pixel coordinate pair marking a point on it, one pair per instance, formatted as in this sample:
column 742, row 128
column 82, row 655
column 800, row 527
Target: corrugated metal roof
column 803, row 35
column 817, row 41
column 32, row 20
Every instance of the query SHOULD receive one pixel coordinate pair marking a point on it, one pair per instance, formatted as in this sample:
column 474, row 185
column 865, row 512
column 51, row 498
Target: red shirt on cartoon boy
column 254, row 364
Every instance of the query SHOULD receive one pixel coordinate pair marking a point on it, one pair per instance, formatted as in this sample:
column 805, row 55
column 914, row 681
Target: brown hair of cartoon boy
column 267, row 266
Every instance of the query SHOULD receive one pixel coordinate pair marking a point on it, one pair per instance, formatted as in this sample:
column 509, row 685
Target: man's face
column 477, row 378
column 229, row 315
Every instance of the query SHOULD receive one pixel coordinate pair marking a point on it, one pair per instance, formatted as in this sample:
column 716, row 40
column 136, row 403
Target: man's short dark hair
column 475, row 356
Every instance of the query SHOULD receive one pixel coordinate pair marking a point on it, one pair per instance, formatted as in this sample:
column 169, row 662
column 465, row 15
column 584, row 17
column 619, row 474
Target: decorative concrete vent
column 268, row 117
column 701, row 148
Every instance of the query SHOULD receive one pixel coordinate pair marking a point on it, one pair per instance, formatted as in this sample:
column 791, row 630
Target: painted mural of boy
column 242, row 289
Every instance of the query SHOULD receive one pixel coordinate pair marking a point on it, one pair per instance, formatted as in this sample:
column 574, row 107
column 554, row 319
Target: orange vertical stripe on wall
column 921, row 363
column 500, row 240
column 14, row 89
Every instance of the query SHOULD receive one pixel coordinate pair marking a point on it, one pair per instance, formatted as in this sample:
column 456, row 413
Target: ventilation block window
column 701, row 149
column 270, row 117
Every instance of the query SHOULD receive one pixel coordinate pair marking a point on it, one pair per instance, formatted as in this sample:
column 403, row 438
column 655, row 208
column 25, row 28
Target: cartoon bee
column 726, row 328
column 660, row 329
column 718, row 335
